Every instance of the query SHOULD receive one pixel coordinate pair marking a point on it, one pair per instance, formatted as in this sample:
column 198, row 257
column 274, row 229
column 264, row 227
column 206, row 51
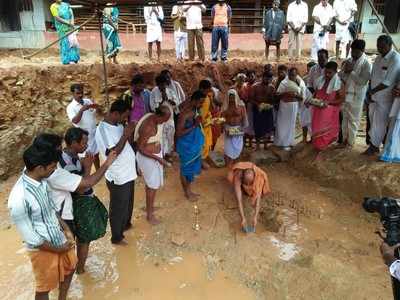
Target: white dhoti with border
column 233, row 144
column 379, row 116
column 152, row 170
column 286, row 124
column 154, row 33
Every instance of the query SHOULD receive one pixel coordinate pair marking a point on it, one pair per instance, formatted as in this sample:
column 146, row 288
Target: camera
column 389, row 211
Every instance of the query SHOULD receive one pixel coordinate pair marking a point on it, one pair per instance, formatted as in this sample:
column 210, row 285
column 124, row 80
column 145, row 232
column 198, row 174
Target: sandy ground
column 313, row 241
column 310, row 244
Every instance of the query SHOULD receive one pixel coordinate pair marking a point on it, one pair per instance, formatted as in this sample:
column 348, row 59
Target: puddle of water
column 121, row 273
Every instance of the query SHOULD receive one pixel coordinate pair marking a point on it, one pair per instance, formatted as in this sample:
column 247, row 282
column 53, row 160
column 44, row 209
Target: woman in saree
column 325, row 119
column 189, row 142
column 64, row 22
column 110, row 31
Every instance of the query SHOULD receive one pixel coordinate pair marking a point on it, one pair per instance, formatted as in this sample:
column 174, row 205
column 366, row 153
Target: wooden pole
column 55, row 42
column 99, row 16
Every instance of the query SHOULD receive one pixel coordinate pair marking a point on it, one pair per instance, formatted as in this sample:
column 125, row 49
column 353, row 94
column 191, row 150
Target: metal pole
column 382, row 23
column 100, row 15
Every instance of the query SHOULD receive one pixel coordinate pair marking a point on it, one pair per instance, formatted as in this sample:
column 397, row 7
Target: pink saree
column 325, row 121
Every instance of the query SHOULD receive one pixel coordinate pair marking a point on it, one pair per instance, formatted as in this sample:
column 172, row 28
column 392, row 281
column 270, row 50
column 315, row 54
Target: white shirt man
column 123, row 169
column 120, row 176
column 386, row 70
column 61, row 184
column 297, row 18
column 152, row 16
column 356, row 85
column 344, row 14
column 194, row 28
column 194, row 15
column 323, row 15
column 87, row 122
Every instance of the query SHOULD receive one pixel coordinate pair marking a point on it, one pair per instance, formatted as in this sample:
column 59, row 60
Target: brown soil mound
column 352, row 176
column 352, row 173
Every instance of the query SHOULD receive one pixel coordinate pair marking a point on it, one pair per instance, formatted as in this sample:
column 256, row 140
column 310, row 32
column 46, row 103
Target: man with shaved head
column 249, row 179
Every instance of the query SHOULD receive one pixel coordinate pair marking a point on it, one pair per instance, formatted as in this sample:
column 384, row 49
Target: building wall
column 371, row 27
column 32, row 29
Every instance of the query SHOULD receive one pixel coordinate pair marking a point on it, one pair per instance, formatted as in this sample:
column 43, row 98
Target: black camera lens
column 371, row 205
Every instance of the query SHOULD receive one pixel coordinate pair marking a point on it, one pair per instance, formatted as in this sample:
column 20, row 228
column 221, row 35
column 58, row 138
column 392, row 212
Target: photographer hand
column 388, row 253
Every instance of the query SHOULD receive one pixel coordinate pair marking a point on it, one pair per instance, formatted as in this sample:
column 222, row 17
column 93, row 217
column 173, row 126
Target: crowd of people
column 144, row 131
column 188, row 28
column 53, row 203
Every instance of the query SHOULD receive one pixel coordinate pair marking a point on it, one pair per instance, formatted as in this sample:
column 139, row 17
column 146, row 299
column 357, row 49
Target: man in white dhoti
column 385, row 75
column 161, row 94
column 291, row 91
column 297, row 18
column 391, row 152
column 355, row 74
column 235, row 121
column 154, row 18
column 323, row 15
column 345, row 11
column 148, row 137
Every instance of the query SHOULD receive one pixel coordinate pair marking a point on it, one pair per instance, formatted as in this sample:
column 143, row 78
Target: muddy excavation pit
column 313, row 240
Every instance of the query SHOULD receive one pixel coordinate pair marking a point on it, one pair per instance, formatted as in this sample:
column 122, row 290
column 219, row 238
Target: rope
column 127, row 27
column 55, row 42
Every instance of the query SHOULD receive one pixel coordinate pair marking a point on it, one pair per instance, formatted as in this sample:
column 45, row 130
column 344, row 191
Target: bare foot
column 122, row 242
column 341, row 146
column 192, row 197
column 153, row 220
column 195, row 195
column 318, row 157
column 205, row 165
column 155, row 208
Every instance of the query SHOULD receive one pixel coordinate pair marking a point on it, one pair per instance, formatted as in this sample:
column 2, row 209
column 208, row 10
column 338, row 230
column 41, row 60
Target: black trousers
column 121, row 208
column 367, row 137
column 340, row 137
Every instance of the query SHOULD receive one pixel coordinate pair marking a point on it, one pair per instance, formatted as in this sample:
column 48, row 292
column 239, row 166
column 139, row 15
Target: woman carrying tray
column 325, row 117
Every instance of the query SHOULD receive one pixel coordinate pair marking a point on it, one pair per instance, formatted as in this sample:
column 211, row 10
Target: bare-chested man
column 148, row 136
column 235, row 121
column 190, row 142
column 262, row 97
column 249, row 179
